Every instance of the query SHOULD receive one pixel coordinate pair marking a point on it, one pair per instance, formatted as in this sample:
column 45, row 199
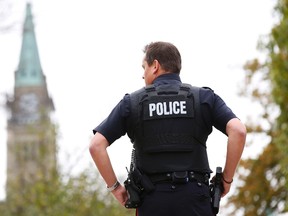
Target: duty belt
column 180, row 177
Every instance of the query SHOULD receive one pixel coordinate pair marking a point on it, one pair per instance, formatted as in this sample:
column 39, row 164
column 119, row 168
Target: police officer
column 168, row 123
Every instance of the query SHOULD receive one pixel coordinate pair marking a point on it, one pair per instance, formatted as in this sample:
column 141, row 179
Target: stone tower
column 31, row 139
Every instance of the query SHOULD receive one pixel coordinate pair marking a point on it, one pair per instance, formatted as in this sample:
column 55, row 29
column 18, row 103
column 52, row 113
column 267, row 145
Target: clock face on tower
column 29, row 107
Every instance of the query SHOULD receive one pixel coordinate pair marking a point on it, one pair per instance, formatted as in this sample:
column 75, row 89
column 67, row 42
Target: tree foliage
column 70, row 195
column 47, row 191
column 263, row 187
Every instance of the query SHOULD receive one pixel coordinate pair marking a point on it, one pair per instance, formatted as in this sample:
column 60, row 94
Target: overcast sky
column 91, row 54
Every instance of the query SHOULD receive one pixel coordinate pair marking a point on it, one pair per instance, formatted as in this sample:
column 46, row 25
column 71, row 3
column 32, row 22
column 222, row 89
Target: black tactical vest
column 164, row 126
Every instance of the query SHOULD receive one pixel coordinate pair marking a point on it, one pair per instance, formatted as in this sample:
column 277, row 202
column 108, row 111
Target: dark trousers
column 190, row 199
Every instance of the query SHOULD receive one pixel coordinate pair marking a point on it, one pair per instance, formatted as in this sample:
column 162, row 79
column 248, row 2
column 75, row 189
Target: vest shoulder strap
column 195, row 90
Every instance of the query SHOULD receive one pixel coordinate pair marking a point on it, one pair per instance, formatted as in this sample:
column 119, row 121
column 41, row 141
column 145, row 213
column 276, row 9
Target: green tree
column 263, row 189
column 66, row 196
column 51, row 192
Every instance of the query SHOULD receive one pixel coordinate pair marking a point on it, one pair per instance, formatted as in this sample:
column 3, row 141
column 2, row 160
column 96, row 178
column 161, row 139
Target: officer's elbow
column 235, row 128
column 93, row 146
column 97, row 144
column 243, row 132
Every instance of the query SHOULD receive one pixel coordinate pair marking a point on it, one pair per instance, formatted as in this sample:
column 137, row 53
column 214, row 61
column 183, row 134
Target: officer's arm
column 98, row 151
column 236, row 132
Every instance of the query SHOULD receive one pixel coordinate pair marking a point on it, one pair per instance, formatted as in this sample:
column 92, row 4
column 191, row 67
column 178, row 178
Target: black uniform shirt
column 213, row 109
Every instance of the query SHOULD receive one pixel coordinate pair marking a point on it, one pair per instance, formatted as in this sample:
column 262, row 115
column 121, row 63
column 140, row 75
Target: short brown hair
column 166, row 54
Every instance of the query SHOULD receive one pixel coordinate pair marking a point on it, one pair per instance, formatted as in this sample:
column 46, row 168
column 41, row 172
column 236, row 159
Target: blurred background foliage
column 65, row 195
column 263, row 187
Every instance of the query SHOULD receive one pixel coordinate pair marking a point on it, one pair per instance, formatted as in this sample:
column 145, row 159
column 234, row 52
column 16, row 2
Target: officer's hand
column 226, row 188
column 120, row 194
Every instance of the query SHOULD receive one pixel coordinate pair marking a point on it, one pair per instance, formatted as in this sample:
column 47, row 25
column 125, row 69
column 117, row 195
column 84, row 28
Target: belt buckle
column 180, row 177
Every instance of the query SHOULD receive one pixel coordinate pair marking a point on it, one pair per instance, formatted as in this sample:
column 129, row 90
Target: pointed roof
column 29, row 72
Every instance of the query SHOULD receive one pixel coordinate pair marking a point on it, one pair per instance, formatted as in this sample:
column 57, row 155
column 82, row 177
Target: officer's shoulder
column 139, row 91
column 206, row 92
column 205, row 88
column 132, row 96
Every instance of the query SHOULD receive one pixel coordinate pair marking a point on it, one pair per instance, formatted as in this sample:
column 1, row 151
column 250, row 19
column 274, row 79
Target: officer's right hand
column 120, row 194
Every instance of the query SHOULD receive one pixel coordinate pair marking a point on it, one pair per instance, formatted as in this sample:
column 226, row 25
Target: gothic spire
column 29, row 72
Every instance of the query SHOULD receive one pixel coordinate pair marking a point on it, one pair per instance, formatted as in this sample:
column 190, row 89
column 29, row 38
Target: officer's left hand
column 226, row 188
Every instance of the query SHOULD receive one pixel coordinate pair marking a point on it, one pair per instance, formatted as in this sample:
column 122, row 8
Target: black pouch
column 143, row 181
column 147, row 184
column 180, row 177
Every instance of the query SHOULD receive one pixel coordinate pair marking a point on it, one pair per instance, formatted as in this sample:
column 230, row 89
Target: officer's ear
column 156, row 66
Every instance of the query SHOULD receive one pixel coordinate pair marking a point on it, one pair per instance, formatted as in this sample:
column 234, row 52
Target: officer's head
column 160, row 58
